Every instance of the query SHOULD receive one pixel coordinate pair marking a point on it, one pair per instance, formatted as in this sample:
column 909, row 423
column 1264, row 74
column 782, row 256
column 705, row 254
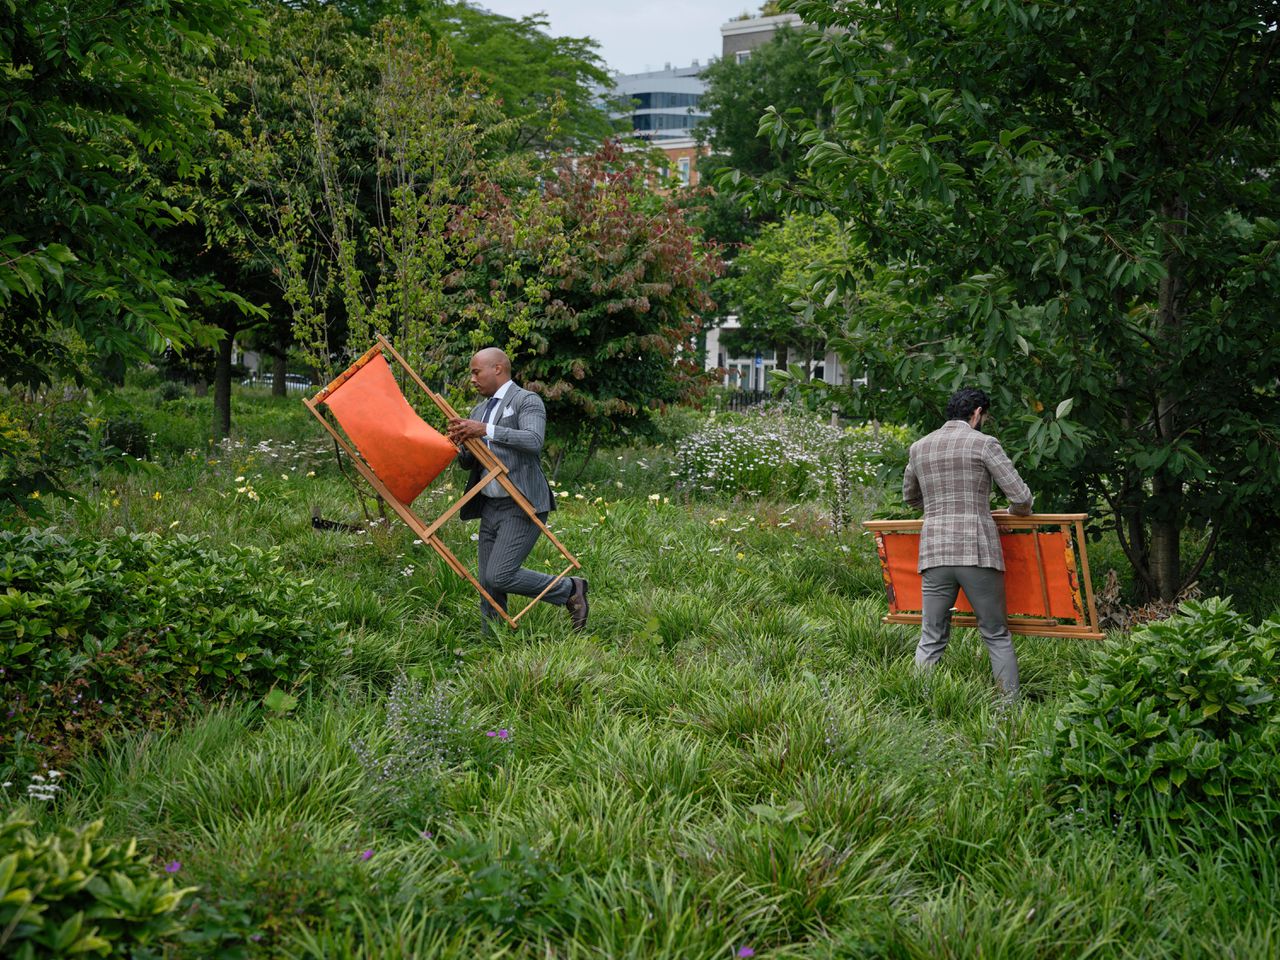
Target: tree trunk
column 1166, row 529
column 222, row 388
column 592, row 447
column 1166, row 489
column 279, row 370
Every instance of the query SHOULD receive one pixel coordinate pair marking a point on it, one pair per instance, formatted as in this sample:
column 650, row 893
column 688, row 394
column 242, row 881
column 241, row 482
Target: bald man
column 512, row 422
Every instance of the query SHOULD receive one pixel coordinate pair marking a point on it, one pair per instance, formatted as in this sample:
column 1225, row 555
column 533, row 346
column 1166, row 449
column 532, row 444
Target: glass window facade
column 664, row 121
column 665, row 101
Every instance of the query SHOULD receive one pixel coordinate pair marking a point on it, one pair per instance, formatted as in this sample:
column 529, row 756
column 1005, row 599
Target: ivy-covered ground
column 308, row 732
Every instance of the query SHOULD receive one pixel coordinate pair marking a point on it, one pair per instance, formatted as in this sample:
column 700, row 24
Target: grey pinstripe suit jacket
column 949, row 474
column 517, row 442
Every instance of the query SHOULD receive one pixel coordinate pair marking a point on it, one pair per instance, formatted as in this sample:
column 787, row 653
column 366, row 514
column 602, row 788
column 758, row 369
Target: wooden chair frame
column 494, row 471
column 1072, row 527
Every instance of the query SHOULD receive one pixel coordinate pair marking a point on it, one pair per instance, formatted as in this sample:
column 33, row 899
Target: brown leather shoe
column 577, row 603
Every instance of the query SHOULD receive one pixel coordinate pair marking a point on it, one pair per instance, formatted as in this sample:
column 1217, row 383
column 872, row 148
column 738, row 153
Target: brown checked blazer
column 949, row 475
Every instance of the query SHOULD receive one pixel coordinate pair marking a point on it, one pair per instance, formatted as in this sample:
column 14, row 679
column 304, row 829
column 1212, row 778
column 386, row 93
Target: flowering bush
column 100, row 633
column 426, row 732
column 784, row 455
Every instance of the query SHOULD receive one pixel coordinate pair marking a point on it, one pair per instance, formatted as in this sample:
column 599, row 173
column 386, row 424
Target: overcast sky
column 636, row 35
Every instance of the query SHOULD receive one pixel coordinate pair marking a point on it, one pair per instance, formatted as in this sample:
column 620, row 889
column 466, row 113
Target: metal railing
column 738, row 400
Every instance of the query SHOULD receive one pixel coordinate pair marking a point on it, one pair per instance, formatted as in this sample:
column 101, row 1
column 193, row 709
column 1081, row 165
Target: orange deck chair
column 399, row 453
column 1041, row 578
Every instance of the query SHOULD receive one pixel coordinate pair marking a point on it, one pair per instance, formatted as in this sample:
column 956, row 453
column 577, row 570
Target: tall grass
column 736, row 756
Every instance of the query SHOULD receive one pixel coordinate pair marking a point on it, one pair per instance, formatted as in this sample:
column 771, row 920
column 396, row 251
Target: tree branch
column 1204, row 555
column 1129, row 551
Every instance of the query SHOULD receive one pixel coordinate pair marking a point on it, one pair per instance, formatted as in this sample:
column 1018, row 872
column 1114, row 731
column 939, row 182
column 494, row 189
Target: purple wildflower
column 366, row 855
column 173, row 866
column 745, row 952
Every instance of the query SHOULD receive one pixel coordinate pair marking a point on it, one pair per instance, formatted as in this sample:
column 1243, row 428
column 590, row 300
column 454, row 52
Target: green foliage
column 777, row 288
column 729, row 665
column 549, row 85
column 363, row 171
column 1076, row 210
column 23, row 475
column 608, row 281
column 128, row 434
column 53, row 436
column 90, row 106
column 69, row 894
column 1180, row 719
column 779, row 74
column 425, row 736
column 96, row 634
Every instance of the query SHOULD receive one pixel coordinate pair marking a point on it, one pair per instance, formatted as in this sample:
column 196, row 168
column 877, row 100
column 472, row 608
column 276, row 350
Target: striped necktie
column 484, row 417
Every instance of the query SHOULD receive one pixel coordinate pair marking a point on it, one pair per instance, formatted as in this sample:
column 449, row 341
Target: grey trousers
column 984, row 586
column 507, row 535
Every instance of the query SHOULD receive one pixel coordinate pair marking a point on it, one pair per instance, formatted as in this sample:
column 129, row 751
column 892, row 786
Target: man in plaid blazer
column 949, row 476
column 513, row 423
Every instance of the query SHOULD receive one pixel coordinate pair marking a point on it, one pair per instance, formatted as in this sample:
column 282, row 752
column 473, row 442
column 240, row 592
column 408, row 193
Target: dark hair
column 964, row 402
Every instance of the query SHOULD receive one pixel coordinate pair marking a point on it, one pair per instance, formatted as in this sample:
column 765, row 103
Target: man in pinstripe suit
column 949, row 475
column 512, row 422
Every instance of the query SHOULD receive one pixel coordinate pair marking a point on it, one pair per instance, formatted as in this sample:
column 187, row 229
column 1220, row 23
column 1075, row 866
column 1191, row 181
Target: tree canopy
column 549, row 85
column 759, row 243
column 1075, row 207
column 90, row 107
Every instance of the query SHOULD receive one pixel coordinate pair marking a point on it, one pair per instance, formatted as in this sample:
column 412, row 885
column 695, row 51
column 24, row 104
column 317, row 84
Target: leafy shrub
column 129, row 435
column 41, row 436
column 21, row 473
column 65, row 894
column 98, row 631
column 171, row 390
column 1180, row 719
column 779, row 453
column 674, row 423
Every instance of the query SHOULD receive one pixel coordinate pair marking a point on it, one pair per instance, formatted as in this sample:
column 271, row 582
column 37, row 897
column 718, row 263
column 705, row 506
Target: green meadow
column 735, row 759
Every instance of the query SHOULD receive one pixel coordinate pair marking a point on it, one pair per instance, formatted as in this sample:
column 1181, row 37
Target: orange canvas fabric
column 400, row 447
column 1023, row 592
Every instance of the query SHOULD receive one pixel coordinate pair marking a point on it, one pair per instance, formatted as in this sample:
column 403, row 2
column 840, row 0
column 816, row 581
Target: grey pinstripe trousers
column 507, row 535
column 984, row 586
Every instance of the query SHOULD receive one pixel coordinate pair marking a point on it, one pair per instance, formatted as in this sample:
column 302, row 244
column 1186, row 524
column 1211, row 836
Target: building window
column 683, row 166
column 664, row 101
column 742, row 55
column 664, row 121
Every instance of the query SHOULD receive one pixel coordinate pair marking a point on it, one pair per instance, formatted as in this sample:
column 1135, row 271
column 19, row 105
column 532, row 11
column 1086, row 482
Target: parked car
column 292, row 381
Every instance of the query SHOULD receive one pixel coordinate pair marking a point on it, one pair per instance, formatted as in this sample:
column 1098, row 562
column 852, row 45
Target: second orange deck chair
column 400, row 454
column 1045, row 560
